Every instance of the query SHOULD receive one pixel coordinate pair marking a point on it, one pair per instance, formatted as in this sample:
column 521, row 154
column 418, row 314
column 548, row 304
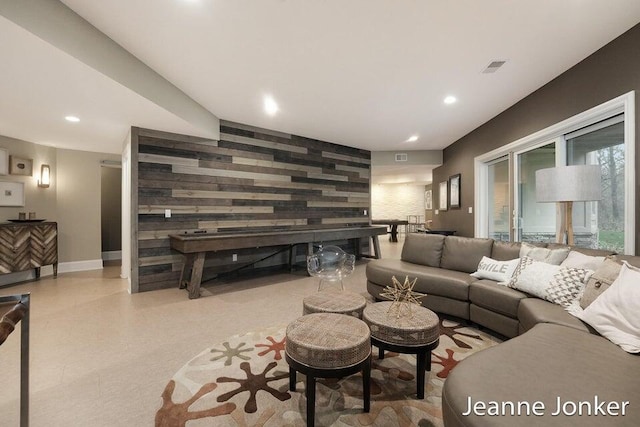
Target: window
column 601, row 224
column 603, row 135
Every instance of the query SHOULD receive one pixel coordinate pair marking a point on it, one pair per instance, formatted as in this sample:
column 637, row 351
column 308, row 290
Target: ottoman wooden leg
column 366, row 385
column 422, row 359
column 380, row 353
column 311, row 400
column 292, row 379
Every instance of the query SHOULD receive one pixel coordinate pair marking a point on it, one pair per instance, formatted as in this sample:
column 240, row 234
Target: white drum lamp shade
column 579, row 183
column 568, row 184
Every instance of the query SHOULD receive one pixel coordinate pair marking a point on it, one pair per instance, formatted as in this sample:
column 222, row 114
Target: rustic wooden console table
column 196, row 245
column 28, row 245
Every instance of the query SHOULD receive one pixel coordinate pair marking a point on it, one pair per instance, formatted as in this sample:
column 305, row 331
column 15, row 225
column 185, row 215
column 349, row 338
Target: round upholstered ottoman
column 334, row 301
column 415, row 333
column 328, row 345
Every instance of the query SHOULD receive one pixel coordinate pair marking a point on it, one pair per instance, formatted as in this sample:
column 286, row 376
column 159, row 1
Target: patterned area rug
column 244, row 382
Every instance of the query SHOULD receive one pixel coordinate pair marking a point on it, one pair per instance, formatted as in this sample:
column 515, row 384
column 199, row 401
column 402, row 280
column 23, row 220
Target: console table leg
column 55, row 270
column 185, row 273
column 196, row 276
column 376, row 247
column 37, row 272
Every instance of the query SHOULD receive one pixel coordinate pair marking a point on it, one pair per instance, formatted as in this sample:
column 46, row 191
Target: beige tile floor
column 101, row 357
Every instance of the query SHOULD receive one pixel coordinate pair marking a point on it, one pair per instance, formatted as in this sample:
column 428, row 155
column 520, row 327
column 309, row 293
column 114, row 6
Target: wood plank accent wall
column 252, row 179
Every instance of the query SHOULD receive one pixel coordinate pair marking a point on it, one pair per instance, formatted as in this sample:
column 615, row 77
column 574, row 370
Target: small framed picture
column 4, row 161
column 428, row 200
column 454, row 191
column 11, row 193
column 442, row 196
column 20, row 166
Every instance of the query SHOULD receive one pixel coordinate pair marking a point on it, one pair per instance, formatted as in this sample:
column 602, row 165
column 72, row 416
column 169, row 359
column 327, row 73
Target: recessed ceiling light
column 450, row 100
column 270, row 106
column 412, row 138
column 73, row 119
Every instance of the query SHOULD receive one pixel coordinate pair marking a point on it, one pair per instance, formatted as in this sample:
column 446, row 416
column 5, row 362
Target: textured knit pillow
column 616, row 313
column 550, row 282
column 600, row 281
column 579, row 260
column 550, row 256
column 500, row 271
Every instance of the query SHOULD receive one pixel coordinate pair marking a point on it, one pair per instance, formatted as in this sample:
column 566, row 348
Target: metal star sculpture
column 403, row 296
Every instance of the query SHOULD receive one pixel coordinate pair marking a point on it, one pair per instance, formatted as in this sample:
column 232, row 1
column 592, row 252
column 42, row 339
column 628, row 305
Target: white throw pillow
column 553, row 283
column 500, row 271
column 579, row 260
column 550, row 256
column 615, row 314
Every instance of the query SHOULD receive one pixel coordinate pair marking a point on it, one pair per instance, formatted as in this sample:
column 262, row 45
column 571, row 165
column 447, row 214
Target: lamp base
column 566, row 224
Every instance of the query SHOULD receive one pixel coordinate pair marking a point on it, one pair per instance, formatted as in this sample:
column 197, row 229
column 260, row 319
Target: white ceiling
column 40, row 85
column 364, row 73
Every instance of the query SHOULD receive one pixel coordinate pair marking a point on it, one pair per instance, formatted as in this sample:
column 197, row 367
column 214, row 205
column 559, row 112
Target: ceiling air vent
column 493, row 67
column 401, row 157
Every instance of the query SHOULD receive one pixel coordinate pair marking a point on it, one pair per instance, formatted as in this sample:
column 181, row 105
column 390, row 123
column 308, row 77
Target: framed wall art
column 4, row 161
column 428, row 200
column 442, row 196
column 454, row 191
column 20, row 166
column 11, row 193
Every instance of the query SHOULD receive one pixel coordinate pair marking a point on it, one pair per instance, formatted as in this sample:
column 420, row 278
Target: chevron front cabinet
column 28, row 246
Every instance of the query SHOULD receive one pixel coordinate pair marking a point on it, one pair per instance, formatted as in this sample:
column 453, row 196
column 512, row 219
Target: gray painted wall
column 608, row 73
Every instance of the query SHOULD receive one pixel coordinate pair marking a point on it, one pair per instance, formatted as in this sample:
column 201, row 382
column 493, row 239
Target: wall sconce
column 45, row 177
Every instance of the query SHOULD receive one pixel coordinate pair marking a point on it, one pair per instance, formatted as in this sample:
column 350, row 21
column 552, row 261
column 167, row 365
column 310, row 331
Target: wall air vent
column 493, row 67
column 401, row 157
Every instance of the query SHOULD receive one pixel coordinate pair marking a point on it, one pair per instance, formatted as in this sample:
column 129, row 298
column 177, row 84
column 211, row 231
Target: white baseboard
column 111, row 255
column 70, row 267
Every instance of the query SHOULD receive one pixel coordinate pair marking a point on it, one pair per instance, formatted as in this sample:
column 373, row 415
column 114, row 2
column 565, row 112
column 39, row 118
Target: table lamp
column 565, row 185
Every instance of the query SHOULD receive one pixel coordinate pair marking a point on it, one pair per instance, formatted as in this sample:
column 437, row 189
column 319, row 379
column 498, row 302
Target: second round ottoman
column 334, row 301
column 416, row 334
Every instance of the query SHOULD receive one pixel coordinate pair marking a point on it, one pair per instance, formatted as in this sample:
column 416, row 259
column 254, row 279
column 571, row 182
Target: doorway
column 111, row 215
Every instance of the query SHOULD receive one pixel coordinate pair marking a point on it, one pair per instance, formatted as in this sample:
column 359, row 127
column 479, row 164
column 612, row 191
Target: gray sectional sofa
column 551, row 354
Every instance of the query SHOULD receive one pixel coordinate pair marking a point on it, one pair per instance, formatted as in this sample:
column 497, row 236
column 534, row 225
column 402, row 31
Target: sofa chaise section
column 548, row 362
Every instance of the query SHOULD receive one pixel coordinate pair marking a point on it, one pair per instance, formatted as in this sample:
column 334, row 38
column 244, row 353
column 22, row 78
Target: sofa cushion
column 504, row 251
column 464, row 253
column 600, row 281
column 551, row 282
column 423, row 249
column 577, row 259
column 547, row 362
column 586, row 251
column 532, row 311
column 616, row 313
column 503, row 325
column 498, row 298
column 431, row 280
column 500, row 271
column 550, row 256
column 631, row 259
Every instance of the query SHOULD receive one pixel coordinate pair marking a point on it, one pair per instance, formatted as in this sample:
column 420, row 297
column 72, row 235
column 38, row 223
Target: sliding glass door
column 600, row 224
column 499, row 220
column 536, row 222
column 505, row 193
